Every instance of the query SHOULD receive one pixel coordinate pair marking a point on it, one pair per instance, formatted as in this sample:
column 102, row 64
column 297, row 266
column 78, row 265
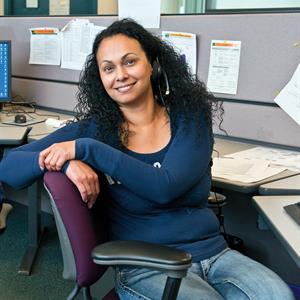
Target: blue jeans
column 227, row 275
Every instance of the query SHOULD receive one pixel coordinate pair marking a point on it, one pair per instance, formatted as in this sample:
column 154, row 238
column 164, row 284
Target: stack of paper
column 275, row 157
column 243, row 170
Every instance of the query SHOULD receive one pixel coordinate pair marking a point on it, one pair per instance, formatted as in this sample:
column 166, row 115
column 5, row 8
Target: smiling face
column 124, row 70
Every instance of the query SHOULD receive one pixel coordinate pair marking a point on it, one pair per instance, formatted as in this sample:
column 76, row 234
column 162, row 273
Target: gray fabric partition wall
column 270, row 53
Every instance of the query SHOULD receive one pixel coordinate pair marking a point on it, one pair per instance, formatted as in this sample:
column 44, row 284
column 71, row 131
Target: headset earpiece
column 157, row 73
column 156, row 70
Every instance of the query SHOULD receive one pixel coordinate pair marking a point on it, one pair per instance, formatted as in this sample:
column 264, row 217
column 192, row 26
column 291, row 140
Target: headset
column 157, row 73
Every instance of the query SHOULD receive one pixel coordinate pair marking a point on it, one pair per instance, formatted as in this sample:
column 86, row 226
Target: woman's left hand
column 55, row 156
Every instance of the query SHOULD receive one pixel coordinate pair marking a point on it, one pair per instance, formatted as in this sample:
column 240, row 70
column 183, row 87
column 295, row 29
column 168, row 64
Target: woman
column 154, row 145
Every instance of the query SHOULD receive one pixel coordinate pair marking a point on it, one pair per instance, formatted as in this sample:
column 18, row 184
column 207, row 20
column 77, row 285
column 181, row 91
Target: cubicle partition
column 270, row 53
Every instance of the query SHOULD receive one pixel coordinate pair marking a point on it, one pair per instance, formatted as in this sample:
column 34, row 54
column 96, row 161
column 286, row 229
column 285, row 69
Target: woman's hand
column 86, row 180
column 54, row 157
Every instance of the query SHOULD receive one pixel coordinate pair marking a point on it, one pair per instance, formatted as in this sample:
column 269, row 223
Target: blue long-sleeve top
column 159, row 197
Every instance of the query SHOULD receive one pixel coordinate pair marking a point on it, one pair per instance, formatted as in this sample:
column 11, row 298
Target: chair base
column 85, row 290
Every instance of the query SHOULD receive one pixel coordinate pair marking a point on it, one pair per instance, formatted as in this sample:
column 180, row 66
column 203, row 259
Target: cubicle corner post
column 35, row 231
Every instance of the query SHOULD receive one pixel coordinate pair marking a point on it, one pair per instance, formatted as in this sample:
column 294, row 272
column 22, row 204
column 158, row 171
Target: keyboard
column 293, row 211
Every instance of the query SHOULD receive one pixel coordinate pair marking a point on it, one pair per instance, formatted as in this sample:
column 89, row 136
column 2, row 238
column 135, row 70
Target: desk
column 284, row 227
column 286, row 186
column 41, row 130
column 35, row 230
column 223, row 147
column 14, row 135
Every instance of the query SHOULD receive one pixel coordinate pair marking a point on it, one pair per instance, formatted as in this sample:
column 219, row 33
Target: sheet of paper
column 59, row 7
column 275, row 157
column 243, row 170
column 145, row 12
column 224, row 65
column 32, row 4
column 45, row 45
column 289, row 97
column 185, row 44
column 77, row 41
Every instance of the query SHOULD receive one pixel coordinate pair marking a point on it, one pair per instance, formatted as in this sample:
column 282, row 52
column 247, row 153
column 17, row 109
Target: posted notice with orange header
column 224, row 66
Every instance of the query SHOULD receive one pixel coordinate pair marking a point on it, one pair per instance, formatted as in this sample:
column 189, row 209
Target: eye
column 107, row 68
column 129, row 62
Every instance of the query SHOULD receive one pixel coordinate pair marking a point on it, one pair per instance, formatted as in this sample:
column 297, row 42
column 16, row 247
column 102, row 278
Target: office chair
column 216, row 202
column 87, row 254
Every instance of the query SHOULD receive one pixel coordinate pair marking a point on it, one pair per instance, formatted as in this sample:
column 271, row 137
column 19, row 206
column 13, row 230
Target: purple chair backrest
column 79, row 224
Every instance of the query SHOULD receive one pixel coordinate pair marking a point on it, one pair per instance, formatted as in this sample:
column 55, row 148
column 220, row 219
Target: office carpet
column 46, row 280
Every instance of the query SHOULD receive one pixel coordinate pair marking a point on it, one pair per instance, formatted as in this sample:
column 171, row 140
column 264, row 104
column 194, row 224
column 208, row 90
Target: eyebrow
column 122, row 58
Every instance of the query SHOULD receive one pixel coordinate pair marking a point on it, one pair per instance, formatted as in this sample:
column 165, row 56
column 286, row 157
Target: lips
column 125, row 88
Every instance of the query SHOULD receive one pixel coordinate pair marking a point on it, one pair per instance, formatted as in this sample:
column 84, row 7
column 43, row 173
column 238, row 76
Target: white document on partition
column 289, row 97
column 45, row 45
column 59, row 7
column 145, row 12
column 77, row 40
column 243, row 170
column 224, row 65
column 275, row 157
column 185, row 44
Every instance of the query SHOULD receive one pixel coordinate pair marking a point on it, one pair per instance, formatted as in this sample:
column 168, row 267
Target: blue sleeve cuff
column 65, row 167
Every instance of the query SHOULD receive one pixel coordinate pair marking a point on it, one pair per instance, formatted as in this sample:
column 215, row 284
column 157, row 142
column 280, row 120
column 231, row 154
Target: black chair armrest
column 172, row 261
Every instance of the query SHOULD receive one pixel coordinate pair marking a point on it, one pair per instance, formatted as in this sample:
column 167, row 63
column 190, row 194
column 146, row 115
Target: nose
column 121, row 73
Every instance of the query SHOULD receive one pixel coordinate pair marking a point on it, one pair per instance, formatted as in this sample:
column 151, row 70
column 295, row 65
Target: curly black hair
column 188, row 96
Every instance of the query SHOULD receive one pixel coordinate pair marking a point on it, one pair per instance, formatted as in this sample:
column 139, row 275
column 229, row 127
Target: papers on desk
column 275, row 157
column 255, row 164
column 243, row 170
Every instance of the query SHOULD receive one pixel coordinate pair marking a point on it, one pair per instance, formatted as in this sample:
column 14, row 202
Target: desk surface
column 41, row 130
column 283, row 226
column 286, row 186
column 12, row 135
column 223, row 147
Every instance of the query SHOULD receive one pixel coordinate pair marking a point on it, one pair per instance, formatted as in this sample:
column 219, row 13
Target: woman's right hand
column 86, row 180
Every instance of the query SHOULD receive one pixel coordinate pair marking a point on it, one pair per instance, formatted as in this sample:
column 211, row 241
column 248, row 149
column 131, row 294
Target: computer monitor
column 5, row 72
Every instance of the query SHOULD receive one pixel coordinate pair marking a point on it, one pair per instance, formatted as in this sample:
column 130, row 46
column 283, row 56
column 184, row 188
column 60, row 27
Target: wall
column 268, row 59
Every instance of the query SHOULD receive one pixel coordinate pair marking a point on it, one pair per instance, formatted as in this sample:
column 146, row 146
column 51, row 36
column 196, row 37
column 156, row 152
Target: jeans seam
column 125, row 288
column 206, row 264
column 215, row 257
column 236, row 285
